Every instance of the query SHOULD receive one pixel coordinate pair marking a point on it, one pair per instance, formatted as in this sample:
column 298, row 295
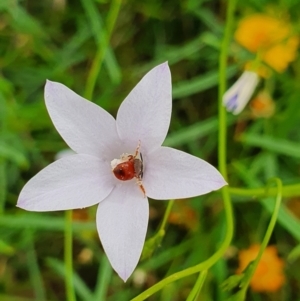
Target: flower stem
column 222, row 138
column 205, row 265
column 267, row 237
column 166, row 215
column 287, row 191
column 222, row 88
column 102, row 47
column 68, row 254
column 197, row 287
column 152, row 243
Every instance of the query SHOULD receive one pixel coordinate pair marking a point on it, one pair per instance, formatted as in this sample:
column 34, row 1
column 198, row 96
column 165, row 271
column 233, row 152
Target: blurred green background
column 62, row 40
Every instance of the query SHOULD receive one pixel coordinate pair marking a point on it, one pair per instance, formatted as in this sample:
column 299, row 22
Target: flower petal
column 75, row 181
column 237, row 96
column 86, row 127
column 145, row 113
column 122, row 220
column 173, row 174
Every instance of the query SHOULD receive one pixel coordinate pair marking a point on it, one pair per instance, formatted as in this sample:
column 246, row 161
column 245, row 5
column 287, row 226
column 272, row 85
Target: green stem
column 197, row 287
column 104, row 42
column 267, row 237
column 222, row 88
column 68, row 254
column 222, row 138
column 166, row 216
column 287, row 191
column 152, row 243
column 205, row 265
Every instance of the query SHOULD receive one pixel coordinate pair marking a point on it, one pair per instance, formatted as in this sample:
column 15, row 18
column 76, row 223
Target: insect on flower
column 107, row 164
column 129, row 167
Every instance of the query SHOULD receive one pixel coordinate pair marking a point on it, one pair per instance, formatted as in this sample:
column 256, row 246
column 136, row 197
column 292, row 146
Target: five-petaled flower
column 101, row 143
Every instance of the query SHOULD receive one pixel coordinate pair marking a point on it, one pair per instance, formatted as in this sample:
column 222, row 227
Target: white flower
column 86, row 178
column 238, row 95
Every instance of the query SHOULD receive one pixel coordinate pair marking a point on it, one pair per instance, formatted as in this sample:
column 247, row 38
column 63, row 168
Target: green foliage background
column 59, row 40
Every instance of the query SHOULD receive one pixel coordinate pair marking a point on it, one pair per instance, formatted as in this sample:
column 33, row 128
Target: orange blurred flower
column 183, row 215
column 269, row 276
column 262, row 105
column 271, row 37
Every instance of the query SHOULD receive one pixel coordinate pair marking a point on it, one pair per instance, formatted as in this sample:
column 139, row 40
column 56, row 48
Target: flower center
column 129, row 167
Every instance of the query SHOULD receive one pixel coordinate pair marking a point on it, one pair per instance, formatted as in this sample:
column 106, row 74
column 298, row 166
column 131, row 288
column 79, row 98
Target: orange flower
column 262, row 105
column 268, row 276
column 182, row 214
column 272, row 38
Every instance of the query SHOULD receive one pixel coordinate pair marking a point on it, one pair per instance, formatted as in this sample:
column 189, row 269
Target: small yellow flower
column 269, row 276
column 273, row 39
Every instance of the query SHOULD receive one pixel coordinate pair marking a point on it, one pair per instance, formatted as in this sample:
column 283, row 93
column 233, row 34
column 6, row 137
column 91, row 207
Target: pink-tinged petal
column 86, row 128
column 145, row 113
column 122, row 220
column 75, row 181
column 173, row 174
